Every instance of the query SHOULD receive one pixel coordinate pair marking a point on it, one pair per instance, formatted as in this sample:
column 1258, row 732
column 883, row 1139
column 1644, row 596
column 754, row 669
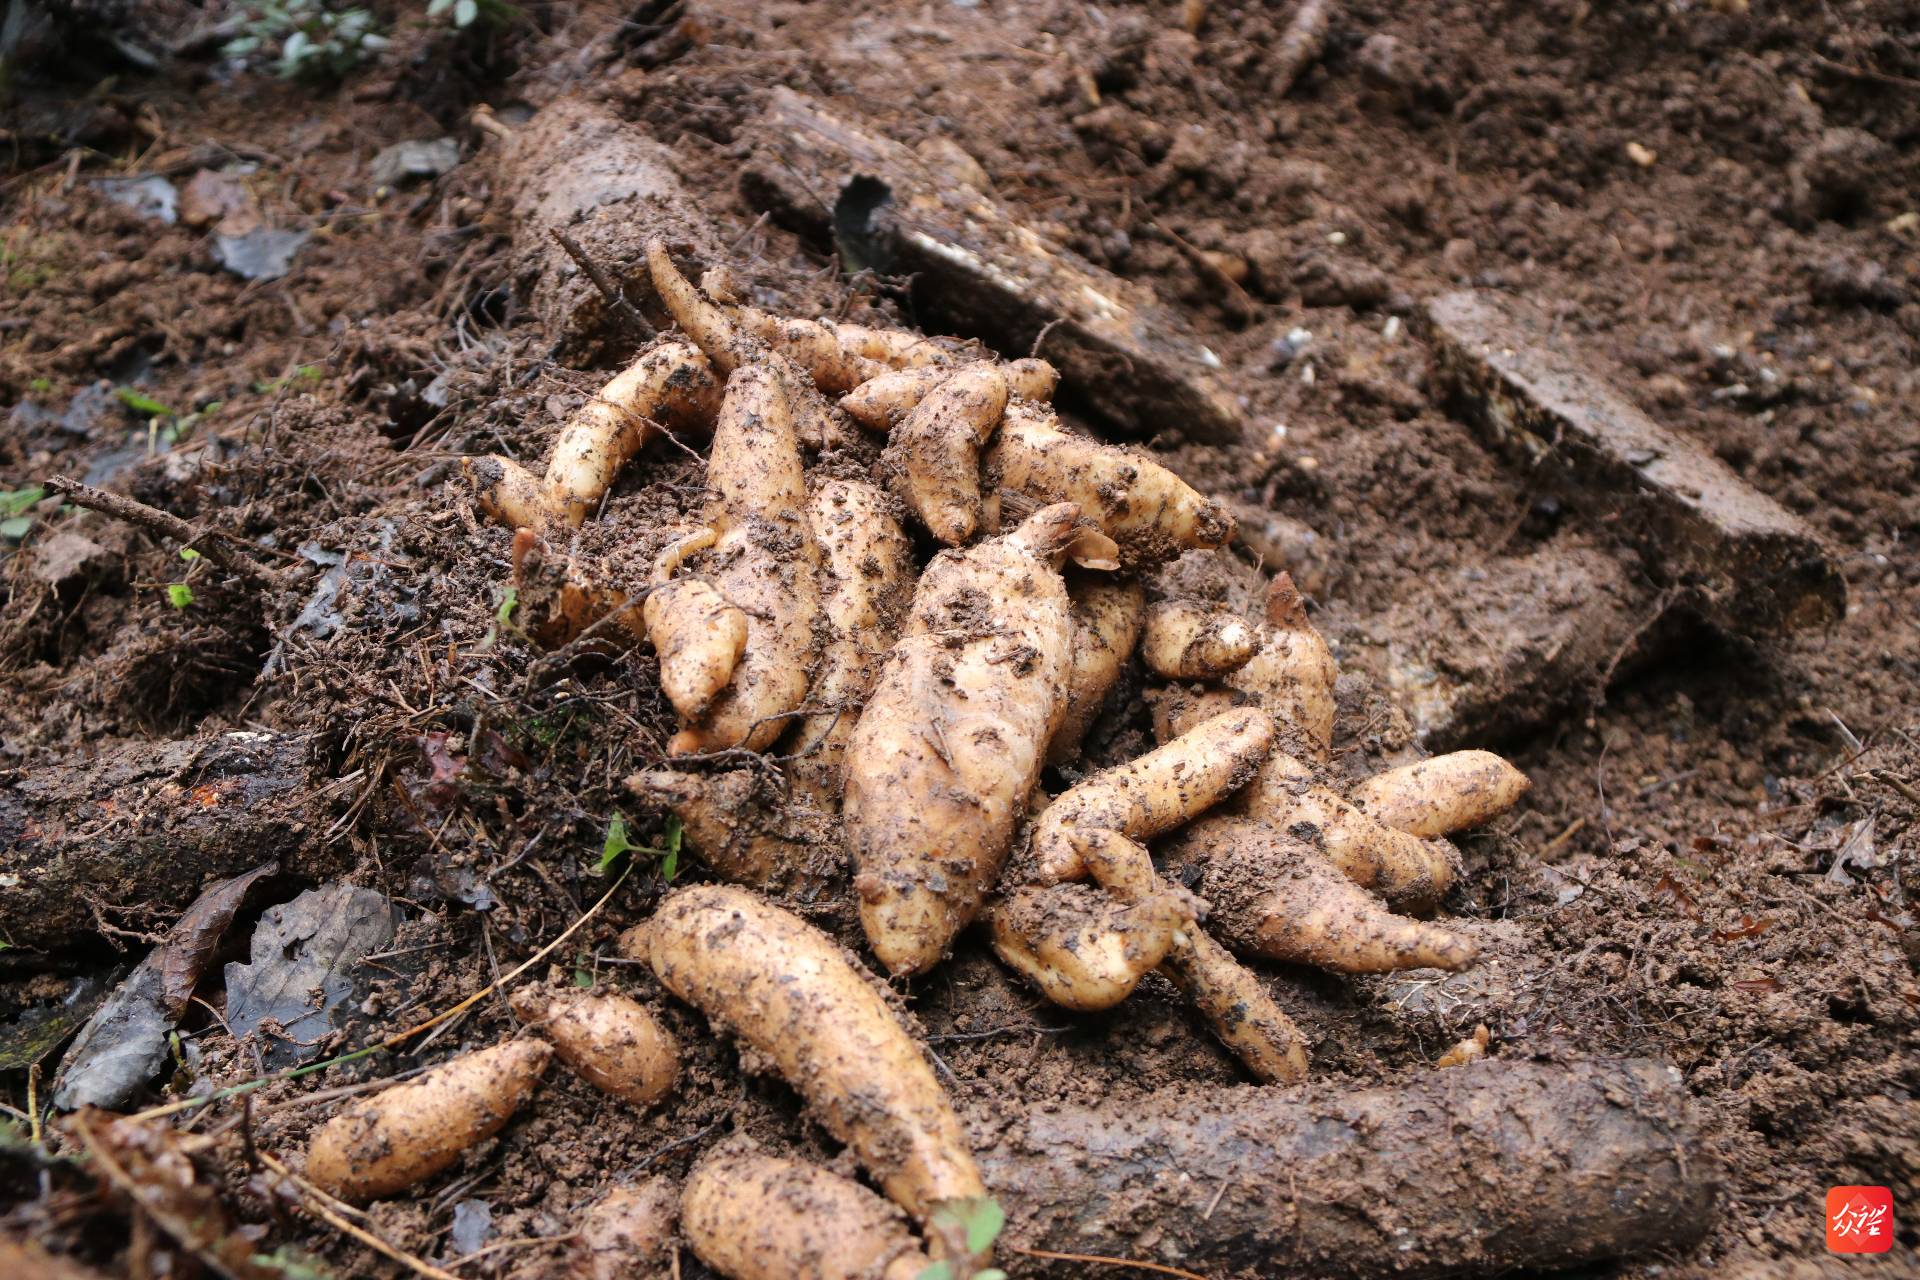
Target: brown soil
column 1713, row 867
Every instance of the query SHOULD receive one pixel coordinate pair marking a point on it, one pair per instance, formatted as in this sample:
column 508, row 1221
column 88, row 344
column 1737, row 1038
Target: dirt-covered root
column 1171, row 784
column 1149, row 511
column 1443, row 794
column 1272, row 895
column 1238, row 1008
column 952, row 741
column 787, row 990
column 752, row 1216
column 1232, row 1000
column 1480, row 1170
column 763, row 561
column 743, row 832
column 866, row 584
column 404, row 1135
column 1188, row 641
column 1083, row 949
column 629, row 1233
column 580, row 169
column 1287, row 794
column 610, row 1039
column 934, row 454
column 1107, row 611
column 881, row 403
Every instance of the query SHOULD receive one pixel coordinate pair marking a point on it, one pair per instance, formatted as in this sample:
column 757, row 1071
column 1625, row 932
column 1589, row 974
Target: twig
column 1574, row 828
column 319, row 1204
column 1299, row 45
column 167, row 525
column 601, row 281
column 1104, row 1261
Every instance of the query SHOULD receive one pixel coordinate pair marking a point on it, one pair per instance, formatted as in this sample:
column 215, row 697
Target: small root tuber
column 1107, row 613
column 751, row 1216
column 935, row 451
column 1185, row 641
column 880, row 404
column 1169, row 785
column 412, row 1131
column 1443, row 794
column 1080, row 947
column 697, row 635
column 742, row 835
column 787, row 989
column 610, row 1039
column 763, row 562
column 628, row 1234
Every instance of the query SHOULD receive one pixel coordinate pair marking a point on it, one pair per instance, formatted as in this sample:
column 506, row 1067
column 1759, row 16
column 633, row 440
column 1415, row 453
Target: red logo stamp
column 1859, row 1219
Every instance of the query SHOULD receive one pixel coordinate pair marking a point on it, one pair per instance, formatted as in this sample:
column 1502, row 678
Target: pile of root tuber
column 911, row 588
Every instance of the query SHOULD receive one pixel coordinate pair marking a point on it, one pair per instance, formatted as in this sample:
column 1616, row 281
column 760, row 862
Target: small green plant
column 310, row 39
column 617, row 844
column 464, row 13
column 40, row 386
column 14, row 505
column 306, row 374
column 179, row 594
column 144, row 405
column 967, row 1229
column 509, row 601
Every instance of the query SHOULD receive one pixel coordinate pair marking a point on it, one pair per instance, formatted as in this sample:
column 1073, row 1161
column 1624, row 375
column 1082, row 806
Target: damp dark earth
column 697, row 638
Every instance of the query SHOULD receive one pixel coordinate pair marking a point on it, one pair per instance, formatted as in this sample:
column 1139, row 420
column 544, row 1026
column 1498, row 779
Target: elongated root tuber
column 610, row 1039
column 880, row 404
column 1274, row 896
column 412, row 1131
column 751, row 1216
column 952, row 741
column 935, row 451
column 1107, row 614
column 787, row 989
column 1442, row 794
column 1155, row 793
column 1152, row 513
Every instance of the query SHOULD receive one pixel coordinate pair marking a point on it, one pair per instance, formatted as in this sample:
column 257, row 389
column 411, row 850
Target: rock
column 151, row 196
column 1325, row 281
column 64, row 557
column 406, row 163
column 1668, row 389
column 1725, row 549
column 1457, row 258
column 264, row 253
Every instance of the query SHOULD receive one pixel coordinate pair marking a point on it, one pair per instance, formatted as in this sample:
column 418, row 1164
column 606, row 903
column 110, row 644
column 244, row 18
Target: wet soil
column 1720, row 201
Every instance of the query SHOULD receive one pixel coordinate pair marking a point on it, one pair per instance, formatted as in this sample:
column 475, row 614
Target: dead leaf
column 304, row 953
column 124, row 1044
column 145, row 1162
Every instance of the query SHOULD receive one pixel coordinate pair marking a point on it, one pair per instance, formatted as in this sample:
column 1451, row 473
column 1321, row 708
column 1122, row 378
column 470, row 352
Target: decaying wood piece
column 1479, row 1170
column 1744, row 561
column 144, row 825
column 983, row 272
column 579, row 169
column 1469, row 658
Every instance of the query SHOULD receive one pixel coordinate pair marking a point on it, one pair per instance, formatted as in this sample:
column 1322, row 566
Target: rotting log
column 132, row 831
column 1480, row 1169
column 980, row 271
column 579, row 169
column 1469, row 657
column 1746, row 563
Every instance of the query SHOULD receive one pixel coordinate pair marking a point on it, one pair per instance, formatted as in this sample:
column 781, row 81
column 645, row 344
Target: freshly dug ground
column 1721, row 200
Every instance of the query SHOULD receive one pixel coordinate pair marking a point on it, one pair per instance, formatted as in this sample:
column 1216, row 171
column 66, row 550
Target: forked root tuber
column 1083, row 949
